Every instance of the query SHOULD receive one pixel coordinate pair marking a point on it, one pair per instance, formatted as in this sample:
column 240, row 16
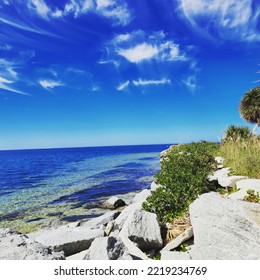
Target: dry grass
column 243, row 157
column 177, row 227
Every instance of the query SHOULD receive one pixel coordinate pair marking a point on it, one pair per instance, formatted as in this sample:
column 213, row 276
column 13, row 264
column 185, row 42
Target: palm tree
column 235, row 133
column 250, row 106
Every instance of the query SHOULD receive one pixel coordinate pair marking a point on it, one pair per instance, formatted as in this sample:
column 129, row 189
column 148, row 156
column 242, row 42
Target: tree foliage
column 250, row 106
column 235, row 133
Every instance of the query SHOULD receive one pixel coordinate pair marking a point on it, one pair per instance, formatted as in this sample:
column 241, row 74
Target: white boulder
column 141, row 196
column 142, row 228
column 69, row 240
column 108, row 248
column 225, row 229
column 113, row 203
column 17, row 246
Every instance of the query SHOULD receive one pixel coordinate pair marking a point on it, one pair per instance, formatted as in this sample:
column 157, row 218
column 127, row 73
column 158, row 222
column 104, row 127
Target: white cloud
column 117, row 11
column 138, row 53
column 145, row 46
column 41, row 8
column 4, row 84
column 49, row 84
column 141, row 82
column 229, row 18
column 12, row 73
column 123, row 86
column 190, row 83
column 21, row 26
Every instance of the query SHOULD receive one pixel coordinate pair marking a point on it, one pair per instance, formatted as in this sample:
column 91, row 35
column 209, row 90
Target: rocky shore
column 222, row 227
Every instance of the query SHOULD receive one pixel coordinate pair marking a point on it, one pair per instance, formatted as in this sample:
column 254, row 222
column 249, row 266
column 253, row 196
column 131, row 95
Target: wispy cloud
column 50, row 84
column 123, row 86
column 145, row 46
column 190, row 83
column 117, row 11
column 141, row 82
column 5, row 85
column 15, row 23
column 230, row 19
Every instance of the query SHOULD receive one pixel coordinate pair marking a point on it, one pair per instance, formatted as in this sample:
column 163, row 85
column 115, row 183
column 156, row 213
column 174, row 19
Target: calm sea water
column 37, row 186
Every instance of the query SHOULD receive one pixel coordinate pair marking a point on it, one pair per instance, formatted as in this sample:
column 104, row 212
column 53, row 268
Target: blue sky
column 104, row 72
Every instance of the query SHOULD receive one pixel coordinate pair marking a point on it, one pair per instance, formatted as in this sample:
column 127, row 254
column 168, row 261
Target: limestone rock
column 109, row 227
column 186, row 235
column 155, row 186
column 141, row 196
column 225, row 229
column 219, row 160
column 108, row 248
column 120, row 220
column 243, row 186
column 113, row 203
column 133, row 249
column 69, row 240
column 168, row 255
column 17, row 246
column 78, row 256
column 97, row 222
column 142, row 228
column 230, row 181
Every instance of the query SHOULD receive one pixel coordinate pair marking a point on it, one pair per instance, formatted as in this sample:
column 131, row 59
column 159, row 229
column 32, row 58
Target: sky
column 125, row 72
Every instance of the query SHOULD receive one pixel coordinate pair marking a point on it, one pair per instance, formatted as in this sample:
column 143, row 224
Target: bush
column 183, row 175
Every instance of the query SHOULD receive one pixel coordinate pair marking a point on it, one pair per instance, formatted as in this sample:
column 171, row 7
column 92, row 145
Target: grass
column 243, row 156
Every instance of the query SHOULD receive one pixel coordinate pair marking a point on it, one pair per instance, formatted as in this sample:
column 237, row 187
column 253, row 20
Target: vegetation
column 250, row 106
column 252, row 196
column 183, row 175
column 243, row 156
column 235, row 133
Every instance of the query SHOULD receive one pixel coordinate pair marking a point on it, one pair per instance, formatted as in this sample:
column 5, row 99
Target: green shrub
column 183, row 175
column 252, row 196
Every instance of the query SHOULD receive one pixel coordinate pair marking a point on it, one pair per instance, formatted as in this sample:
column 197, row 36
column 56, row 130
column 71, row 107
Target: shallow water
column 38, row 186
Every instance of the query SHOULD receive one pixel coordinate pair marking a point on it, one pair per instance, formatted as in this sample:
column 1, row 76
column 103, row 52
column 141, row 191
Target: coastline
column 135, row 234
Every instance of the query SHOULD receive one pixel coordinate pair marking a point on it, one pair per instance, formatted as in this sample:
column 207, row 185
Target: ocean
column 40, row 186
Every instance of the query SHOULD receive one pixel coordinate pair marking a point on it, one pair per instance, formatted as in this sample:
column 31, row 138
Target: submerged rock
column 17, row 246
column 113, row 203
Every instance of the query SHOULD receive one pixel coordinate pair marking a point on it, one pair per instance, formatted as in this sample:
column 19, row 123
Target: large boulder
column 108, row 248
column 141, row 196
column 120, row 220
column 142, row 228
column 69, row 240
column 113, row 203
column 225, row 229
column 17, row 246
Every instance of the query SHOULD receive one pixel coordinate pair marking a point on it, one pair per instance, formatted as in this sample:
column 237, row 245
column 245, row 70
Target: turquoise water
column 38, row 186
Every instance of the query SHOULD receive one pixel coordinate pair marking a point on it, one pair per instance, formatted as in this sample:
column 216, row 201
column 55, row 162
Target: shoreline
column 128, row 232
